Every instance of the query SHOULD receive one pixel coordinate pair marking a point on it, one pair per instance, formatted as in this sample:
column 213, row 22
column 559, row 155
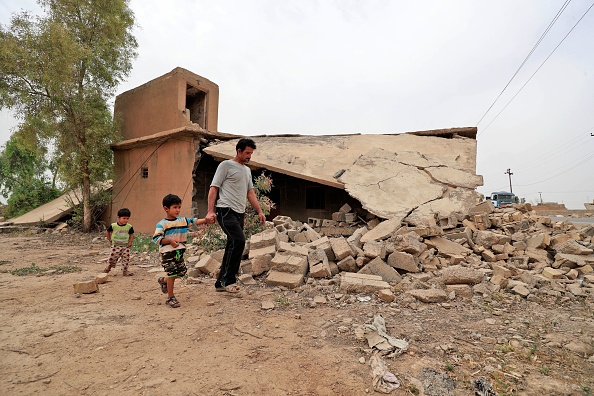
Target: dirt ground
column 123, row 340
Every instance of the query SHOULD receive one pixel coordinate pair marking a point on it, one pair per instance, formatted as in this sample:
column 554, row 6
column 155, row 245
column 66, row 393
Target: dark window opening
column 196, row 105
column 315, row 198
column 144, row 173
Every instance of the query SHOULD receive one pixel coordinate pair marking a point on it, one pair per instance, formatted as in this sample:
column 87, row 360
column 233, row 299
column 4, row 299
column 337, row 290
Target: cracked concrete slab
column 386, row 187
column 388, row 174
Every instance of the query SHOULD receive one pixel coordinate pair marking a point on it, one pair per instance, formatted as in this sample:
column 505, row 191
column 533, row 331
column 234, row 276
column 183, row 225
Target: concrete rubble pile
column 433, row 259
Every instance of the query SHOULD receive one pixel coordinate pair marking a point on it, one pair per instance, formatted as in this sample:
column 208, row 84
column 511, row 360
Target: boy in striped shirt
column 171, row 236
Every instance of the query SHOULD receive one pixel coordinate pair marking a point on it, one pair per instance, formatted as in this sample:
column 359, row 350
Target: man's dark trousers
column 232, row 224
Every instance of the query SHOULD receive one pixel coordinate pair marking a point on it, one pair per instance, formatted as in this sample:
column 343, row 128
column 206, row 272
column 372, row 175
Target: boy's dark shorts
column 173, row 263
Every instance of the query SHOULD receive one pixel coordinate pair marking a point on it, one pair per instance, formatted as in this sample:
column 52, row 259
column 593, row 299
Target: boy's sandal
column 172, row 302
column 163, row 283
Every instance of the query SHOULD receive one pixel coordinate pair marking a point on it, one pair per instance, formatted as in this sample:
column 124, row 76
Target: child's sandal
column 163, row 283
column 172, row 302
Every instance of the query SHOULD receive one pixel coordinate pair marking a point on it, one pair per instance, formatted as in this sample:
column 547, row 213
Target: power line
column 560, row 173
column 539, row 67
column 545, row 158
column 527, row 57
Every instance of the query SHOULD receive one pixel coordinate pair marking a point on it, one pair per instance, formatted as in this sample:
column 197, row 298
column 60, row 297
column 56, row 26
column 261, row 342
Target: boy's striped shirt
column 174, row 229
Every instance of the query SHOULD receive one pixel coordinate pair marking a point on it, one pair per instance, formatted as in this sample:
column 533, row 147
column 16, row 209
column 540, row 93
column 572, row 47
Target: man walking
column 232, row 183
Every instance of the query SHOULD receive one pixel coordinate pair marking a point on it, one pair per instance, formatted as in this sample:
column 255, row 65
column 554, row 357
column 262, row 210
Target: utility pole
column 540, row 193
column 508, row 172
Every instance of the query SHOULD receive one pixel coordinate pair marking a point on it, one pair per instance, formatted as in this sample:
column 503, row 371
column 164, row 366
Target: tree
column 58, row 72
column 23, row 177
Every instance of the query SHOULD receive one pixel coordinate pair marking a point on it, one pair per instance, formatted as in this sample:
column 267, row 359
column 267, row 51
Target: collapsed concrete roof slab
column 56, row 209
column 388, row 174
column 386, row 187
column 49, row 212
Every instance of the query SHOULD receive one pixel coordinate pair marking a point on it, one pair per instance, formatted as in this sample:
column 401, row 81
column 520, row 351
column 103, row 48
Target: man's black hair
column 124, row 212
column 243, row 143
column 171, row 199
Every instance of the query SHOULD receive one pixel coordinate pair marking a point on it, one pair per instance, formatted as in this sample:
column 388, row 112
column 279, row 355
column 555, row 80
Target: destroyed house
column 171, row 145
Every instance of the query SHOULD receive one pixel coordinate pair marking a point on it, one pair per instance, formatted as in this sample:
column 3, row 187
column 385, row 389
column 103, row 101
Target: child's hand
column 174, row 244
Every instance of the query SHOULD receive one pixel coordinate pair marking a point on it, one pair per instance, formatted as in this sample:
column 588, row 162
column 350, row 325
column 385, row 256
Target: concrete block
column 101, row 278
column 86, row 287
column 429, row 295
column 486, row 207
column 277, row 278
column 320, row 270
column 351, row 282
column 552, row 273
column 340, row 247
column 464, row 291
column 355, row 238
column 208, row 265
column 261, row 264
column 316, row 256
column 271, row 250
column 379, row 267
column 461, row 275
column 446, row 247
column 346, row 208
column 291, row 264
column 459, row 233
column 291, row 248
column 264, row 239
column 386, row 295
column 348, row 264
column 375, row 249
column 383, row 230
column 338, row 216
column 350, row 217
column 314, row 222
column 404, row 261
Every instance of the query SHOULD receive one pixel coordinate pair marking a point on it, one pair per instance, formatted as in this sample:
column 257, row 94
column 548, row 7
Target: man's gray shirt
column 234, row 180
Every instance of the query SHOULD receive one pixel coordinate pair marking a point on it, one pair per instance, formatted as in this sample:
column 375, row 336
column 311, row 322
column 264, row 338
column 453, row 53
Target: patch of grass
column 4, row 262
column 449, row 367
column 586, row 390
column 545, row 370
column 414, row 390
column 33, row 269
column 532, row 351
column 506, row 347
column 144, row 243
column 66, row 269
column 281, row 300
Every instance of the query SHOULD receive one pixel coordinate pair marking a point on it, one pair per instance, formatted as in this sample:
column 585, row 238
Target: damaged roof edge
column 468, row 132
column 193, row 130
column 448, row 133
column 259, row 165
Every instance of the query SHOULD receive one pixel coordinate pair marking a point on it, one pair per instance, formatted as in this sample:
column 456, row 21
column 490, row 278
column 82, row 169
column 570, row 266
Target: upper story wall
column 176, row 99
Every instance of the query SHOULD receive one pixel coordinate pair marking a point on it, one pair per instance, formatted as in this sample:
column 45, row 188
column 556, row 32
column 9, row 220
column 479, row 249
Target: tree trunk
column 86, row 193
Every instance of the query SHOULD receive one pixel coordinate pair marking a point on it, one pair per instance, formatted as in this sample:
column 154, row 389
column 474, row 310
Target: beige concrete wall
column 170, row 168
column 159, row 104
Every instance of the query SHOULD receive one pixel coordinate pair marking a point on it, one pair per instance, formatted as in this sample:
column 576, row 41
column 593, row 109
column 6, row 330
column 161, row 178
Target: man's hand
column 262, row 218
column 210, row 217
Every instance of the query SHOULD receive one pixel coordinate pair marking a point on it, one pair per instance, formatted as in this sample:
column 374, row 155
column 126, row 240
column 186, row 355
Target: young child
column 121, row 236
column 171, row 236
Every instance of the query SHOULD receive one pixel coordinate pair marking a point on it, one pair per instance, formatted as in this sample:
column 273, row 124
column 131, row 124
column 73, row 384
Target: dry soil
column 123, row 340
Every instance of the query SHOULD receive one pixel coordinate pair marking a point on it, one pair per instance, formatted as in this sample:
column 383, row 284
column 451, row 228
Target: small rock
column 362, row 360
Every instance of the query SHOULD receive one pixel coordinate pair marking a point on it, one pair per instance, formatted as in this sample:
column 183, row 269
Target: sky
column 324, row 67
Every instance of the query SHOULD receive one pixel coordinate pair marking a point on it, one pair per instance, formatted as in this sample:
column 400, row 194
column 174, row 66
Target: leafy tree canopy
column 58, row 72
column 24, row 178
